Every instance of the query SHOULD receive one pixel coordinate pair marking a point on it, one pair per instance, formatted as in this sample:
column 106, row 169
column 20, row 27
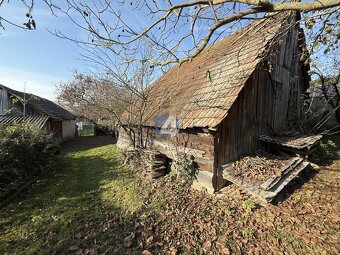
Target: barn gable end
column 246, row 85
column 268, row 104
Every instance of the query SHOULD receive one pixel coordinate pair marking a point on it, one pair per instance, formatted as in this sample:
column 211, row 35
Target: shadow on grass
column 87, row 142
column 82, row 207
column 297, row 183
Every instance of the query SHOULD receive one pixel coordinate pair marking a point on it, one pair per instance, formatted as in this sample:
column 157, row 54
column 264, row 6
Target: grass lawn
column 71, row 208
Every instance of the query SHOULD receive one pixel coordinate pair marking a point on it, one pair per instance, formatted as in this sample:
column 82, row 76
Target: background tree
column 180, row 30
column 91, row 97
column 324, row 91
column 118, row 96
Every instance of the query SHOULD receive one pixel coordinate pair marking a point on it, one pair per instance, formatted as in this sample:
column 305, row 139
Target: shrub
column 88, row 130
column 102, row 130
column 326, row 151
column 25, row 151
column 184, row 170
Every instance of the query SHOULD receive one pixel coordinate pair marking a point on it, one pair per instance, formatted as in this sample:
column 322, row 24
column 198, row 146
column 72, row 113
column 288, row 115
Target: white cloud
column 36, row 83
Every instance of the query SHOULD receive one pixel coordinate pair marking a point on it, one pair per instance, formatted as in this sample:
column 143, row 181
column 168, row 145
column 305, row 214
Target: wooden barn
column 16, row 106
column 241, row 87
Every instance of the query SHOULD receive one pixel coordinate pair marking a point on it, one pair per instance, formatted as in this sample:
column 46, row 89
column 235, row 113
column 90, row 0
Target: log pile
column 152, row 163
column 131, row 156
column 155, row 164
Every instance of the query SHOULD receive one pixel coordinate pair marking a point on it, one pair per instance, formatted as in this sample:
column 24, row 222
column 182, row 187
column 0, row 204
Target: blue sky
column 37, row 57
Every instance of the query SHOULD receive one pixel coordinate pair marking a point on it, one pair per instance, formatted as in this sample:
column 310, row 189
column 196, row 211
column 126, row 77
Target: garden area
column 90, row 203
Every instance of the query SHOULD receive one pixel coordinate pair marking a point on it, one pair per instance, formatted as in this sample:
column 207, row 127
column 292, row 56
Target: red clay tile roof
column 200, row 92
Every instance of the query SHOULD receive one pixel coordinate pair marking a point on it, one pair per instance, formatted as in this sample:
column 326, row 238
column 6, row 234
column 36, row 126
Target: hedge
column 25, row 153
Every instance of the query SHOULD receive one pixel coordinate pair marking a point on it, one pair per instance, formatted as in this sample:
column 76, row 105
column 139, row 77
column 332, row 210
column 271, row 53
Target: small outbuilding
column 215, row 107
column 18, row 107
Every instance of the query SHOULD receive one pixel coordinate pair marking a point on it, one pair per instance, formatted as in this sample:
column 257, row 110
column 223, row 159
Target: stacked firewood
column 131, row 156
column 152, row 163
column 155, row 164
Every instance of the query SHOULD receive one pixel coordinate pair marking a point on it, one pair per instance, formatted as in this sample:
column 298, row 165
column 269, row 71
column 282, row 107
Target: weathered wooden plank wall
column 269, row 102
column 3, row 101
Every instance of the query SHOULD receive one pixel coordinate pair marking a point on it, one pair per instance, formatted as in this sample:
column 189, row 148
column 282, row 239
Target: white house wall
column 68, row 129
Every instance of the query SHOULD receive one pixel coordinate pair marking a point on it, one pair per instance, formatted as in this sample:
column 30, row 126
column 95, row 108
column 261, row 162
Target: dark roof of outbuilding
column 199, row 93
column 41, row 104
